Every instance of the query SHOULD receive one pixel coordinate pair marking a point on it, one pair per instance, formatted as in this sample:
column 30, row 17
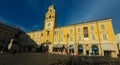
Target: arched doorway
column 71, row 49
column 47, row 46
column 95, row 50
column 62, row 48
column 80, row 50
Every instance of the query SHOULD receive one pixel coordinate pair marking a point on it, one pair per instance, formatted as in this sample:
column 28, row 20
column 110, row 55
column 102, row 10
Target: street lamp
column 67, row 43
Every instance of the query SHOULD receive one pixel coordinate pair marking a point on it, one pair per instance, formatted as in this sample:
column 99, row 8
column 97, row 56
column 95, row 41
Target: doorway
column 80, row 50
column 71, row 50
column 87, row 52
column 107, row 53
column 95, row 50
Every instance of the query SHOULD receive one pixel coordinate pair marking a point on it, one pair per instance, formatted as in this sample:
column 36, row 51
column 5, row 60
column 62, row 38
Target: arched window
column 80, row 50
column 80, row 47
column 49, row 16
column 50, row 10
column 95, row 50
column 71, row 49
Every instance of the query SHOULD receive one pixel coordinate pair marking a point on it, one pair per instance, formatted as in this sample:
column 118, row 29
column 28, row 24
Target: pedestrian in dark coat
column 14, row 51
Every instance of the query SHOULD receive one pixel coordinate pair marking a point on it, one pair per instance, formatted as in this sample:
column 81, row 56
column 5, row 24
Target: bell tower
column 49, row 24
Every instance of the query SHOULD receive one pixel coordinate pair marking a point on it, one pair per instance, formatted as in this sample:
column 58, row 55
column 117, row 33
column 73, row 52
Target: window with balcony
column 85, row 29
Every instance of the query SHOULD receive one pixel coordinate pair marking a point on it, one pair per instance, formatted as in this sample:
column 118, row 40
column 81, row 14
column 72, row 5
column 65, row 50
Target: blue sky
column 30, row 14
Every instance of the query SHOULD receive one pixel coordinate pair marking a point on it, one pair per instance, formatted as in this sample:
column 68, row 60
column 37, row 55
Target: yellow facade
column 91, row 36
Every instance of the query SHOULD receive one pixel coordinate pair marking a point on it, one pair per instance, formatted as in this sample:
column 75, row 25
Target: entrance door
column 87, row 52
column 95, row 50
column 71, row 49
column 80, row 50
column 107, row 53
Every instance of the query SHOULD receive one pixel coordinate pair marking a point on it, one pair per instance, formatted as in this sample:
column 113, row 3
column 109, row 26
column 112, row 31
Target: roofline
column 15, row 28
column 35, row 31
column 76, row 24
column 84, row 22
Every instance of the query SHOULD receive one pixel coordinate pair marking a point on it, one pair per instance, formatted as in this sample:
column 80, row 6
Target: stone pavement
column 29, row 59
column 53, row 59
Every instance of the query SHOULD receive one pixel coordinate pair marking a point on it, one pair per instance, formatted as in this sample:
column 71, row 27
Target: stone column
column 90, row 50
column 84, row 50
column 99, row 50
column 75, row 48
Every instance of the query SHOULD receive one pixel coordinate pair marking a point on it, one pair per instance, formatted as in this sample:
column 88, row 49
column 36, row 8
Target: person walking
column 14, row 51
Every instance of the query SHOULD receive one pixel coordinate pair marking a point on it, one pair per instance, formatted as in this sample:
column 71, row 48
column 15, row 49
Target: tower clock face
column 48, row 25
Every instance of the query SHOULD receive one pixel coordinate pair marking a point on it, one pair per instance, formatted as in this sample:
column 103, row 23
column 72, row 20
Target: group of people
column 43, row 49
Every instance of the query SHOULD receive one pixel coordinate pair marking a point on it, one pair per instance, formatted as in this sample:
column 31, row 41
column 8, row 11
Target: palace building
column 12, row 37
column 92, row 38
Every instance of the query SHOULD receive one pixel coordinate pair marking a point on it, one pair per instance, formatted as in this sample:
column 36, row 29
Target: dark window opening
column 41, row 34
column 85, row 29
column 50, row 16
column 48, row 32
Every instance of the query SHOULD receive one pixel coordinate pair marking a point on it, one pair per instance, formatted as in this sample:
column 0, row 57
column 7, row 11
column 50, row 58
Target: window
column 92, row 28
column 61, row 31
column 78, row 29
column 48, row 32
column 85, row 29
column 52, row 16
column 49, row 16
column 71, row 39
column 70, row 30
column 93, row 37
column 50, row 10
column 41, row 34
column 55, row 32
column 61, row 39
column 79, row 38
column 102, row 26
column 55, row 39
column 104, row 37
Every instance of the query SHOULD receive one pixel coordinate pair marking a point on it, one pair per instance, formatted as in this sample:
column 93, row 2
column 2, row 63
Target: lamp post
column 67, row 43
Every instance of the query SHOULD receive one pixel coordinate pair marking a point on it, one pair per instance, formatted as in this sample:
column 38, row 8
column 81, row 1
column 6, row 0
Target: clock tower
column 49, row 25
